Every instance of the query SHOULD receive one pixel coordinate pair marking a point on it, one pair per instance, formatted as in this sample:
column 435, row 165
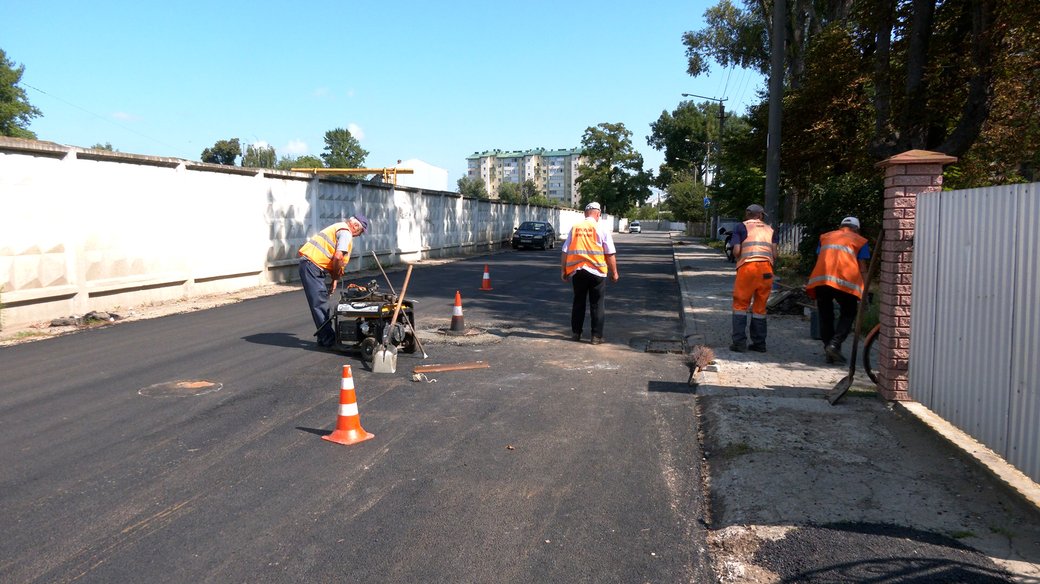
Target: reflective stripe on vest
column 758, row 246
column 584, row 250
column 838, row 266
column 320, row 248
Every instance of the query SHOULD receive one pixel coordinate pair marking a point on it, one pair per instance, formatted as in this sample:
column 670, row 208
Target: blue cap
column 363, row 221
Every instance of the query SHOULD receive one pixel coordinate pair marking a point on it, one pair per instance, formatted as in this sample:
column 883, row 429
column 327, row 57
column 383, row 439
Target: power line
column 101, row 117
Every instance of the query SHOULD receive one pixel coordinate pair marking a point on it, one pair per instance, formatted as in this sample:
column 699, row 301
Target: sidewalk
column 864, row 490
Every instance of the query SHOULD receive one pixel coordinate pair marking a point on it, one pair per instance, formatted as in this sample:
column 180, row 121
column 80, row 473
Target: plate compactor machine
column 362, row 321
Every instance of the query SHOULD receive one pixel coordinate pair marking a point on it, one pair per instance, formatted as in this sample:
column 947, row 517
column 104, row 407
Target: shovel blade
column 840, row 389
column 384, row 360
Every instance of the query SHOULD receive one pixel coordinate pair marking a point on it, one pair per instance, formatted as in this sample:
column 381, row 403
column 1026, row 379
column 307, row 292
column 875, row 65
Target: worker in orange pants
column 754, row 246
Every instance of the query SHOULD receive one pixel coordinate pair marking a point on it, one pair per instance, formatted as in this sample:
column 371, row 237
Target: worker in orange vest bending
column 838, row 277
column 327, row 253
column 754, row 247
column 587, row 261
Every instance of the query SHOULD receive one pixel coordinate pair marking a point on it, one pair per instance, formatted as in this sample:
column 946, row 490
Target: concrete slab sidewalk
column 804, row 491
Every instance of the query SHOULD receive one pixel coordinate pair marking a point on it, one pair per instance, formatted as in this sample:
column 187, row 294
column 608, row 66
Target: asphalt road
column 562, row 462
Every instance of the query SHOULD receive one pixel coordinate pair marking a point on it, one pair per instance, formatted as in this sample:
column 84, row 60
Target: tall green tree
column 223, row 152
column 342, row 150
column 612, row 172
column 105, row 146
column 689, row 136
column 472, row 187
column 529, row 191
column 927, row 68
column 510, row 192
column 303, row 161
column 259, row 156
column 16, row 113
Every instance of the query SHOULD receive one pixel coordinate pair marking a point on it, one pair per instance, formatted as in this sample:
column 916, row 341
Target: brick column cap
column 917, row 157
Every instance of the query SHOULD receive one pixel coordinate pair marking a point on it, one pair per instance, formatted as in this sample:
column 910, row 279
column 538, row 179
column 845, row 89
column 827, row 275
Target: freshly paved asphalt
column 562, row 462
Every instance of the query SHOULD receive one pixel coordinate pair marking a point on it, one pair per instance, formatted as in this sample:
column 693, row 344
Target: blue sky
column 430, row 80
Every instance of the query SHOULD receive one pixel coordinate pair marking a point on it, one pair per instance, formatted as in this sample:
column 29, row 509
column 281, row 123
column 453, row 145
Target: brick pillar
column 906, row 175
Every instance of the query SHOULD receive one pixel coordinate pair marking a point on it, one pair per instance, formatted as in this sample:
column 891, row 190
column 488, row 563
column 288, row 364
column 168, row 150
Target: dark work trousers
column 589, row 291
column 831, row 334
column 317, row 292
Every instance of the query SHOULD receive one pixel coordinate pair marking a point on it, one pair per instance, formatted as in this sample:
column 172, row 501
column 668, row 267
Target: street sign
column 707, row 202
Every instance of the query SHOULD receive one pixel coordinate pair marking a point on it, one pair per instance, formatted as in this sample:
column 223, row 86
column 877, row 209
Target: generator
column 362, row 321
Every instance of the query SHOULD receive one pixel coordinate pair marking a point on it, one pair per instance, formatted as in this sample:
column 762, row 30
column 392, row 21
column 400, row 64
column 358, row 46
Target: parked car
column 538, row 234
column 634, row 227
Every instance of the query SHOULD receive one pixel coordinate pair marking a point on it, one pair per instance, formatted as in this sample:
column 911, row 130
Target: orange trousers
column 752, row 286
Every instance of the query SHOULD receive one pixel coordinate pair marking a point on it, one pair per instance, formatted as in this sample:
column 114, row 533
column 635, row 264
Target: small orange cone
column 457, row 323
column 348, row 425
column 486, row 283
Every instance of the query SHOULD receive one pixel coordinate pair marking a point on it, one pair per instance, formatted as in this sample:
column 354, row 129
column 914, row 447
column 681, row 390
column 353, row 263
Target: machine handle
column 400, row 301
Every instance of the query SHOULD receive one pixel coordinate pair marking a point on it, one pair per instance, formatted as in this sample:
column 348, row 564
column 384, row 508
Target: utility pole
column 776, row 101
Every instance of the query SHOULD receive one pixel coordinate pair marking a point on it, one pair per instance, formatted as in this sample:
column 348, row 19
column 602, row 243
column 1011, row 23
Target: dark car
column 534, row 234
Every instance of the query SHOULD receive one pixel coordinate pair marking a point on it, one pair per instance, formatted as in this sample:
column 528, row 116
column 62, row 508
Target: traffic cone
column 485, row 285
column 457, row 323
column 348, row 425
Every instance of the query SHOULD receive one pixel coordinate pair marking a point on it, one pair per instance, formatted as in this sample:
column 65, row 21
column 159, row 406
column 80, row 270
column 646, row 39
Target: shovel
column 843, row 386
column 404, row 315
column 384, row 359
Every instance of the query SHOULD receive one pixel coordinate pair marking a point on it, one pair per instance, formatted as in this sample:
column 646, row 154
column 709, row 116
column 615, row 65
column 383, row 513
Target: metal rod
column 407, row 321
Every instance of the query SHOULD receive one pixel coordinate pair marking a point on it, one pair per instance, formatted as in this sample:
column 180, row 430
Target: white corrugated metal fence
column 975, row 324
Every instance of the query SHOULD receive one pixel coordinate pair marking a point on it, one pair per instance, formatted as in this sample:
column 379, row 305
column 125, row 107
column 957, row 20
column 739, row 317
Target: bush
column 828, row 203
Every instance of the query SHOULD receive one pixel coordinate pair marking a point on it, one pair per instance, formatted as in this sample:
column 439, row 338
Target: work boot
column 833, row 354
column 597, row 340
column 739, row 336
column 758, row 334
column 575, row 336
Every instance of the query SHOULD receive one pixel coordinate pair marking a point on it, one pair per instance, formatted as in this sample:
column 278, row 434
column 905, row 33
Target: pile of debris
column 788, row 300
column 91, row 318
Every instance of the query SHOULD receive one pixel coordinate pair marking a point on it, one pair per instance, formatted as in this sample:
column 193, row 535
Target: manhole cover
column 664, row 346
column 181, row 388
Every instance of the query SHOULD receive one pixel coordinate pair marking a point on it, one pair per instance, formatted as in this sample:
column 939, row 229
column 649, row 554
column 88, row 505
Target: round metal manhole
column 186, row 388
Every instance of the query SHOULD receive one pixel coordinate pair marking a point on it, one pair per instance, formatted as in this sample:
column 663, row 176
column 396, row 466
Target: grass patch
column 787, row 270
column 1002, row 531
column 714, row 244
column 962, row 534
column 29, row 334
column 735, row 450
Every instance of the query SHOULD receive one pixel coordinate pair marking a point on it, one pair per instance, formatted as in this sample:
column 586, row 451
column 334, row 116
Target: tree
column 105, row 146
column 529, row 191
column 16, row 113
column 257, row 156
column 928, row 68
column 304, row 161
column 223, row 152
column 509, row 192
column 687, row 136
column 342, row 150
column 613, row 171
column 472, row 187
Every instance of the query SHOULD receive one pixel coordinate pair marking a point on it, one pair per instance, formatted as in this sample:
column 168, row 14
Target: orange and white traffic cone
column 457, row 323
column 486, row 282
column 348, row 425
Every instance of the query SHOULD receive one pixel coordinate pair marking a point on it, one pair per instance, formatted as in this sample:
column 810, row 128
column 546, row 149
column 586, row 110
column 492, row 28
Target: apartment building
column 554, row 172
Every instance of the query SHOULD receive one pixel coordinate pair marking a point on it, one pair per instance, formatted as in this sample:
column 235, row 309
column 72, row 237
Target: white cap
column 851, row 222
column 592, row 206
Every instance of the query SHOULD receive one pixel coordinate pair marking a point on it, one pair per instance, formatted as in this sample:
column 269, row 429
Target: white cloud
column 356, row 131
column 321, row 92
column 295, row 148
column 350, row 92
column 125, row 117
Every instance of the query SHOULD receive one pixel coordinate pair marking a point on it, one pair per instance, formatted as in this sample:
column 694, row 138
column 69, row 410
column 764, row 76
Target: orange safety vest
column 584, row 250
column 320, row 248
column 838, row 266
column 758, row 246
